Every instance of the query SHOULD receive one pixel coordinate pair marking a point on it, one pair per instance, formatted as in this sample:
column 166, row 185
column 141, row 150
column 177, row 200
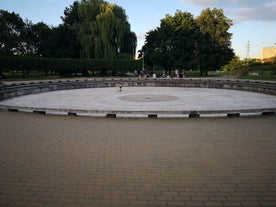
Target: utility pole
column 143, row 61
column 248, row 50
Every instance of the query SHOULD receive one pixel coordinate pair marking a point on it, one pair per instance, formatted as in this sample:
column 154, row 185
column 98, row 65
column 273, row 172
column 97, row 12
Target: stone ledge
column 144, row 114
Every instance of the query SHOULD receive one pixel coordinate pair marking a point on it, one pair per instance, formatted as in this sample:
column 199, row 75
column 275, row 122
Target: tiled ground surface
column 73, row 161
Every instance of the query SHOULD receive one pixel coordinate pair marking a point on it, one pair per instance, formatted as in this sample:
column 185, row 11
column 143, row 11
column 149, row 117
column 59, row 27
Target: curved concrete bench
column 10, row 90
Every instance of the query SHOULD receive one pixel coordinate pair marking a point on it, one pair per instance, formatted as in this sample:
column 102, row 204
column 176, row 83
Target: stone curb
column 142, row 114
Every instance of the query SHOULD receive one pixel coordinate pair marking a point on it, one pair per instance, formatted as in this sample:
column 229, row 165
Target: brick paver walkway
column 74, row 161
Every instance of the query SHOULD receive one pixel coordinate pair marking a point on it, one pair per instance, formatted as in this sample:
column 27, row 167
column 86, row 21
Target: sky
column 254, row 20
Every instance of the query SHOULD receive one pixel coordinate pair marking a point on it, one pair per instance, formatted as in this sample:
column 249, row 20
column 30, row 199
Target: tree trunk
column 203, row 72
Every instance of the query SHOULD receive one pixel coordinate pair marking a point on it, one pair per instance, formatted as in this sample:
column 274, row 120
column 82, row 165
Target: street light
column 143, row 61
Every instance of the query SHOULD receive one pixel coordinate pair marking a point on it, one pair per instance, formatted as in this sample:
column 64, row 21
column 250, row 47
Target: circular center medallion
column 147, row 98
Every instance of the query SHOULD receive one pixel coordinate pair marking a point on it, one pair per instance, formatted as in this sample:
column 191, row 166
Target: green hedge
column 68, row 66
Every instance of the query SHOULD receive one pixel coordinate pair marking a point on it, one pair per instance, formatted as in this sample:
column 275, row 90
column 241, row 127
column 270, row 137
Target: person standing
column 120, row 86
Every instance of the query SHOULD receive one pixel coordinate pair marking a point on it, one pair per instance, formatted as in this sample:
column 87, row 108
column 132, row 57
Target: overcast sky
column 254, row 20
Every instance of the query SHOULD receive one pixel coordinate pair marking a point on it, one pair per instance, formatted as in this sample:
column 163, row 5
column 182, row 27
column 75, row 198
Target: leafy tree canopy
column 16, row 37
column 71, row 15
column 90, row 29
column 104, row 31
column 172, row 45
column 185, row 42
column 215, row 40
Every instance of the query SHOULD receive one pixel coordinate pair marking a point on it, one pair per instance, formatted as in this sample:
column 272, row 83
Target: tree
column 182, row 41
column 16, row 35
column 65, row 43
column 60, row 41
column 234, row 64
column 69, row 29
column 43, row 37
column 12, row 27
column 71, row 15
column 27, row 44
column 172, row 45
column 104, row 31
column 90, row 29
column 215, row 40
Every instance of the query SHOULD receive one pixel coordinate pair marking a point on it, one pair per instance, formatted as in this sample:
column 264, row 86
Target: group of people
column 179, row 75
column 147, row 74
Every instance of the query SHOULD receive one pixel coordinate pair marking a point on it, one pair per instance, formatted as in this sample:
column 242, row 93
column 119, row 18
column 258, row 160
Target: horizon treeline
column 98, row 30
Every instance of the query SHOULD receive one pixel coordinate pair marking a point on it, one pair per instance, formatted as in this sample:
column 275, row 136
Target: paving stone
column 78, row 161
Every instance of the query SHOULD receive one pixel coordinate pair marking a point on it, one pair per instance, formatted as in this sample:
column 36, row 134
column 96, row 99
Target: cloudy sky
column 254, row 20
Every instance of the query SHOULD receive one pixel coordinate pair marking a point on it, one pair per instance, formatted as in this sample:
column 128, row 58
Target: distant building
column 269, row 54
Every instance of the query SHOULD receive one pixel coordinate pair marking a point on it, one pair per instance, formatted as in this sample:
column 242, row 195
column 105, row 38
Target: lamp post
column 143, row 61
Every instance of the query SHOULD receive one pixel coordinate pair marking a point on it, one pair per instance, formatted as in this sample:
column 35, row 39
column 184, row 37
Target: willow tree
column 104, row 31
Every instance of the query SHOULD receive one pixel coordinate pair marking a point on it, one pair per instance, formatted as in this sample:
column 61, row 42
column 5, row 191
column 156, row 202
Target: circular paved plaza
column 167, row 100
column 80, row 161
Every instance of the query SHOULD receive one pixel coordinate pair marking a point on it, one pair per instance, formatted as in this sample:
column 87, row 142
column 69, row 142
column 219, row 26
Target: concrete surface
column 79, row 161
column 146, row 99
